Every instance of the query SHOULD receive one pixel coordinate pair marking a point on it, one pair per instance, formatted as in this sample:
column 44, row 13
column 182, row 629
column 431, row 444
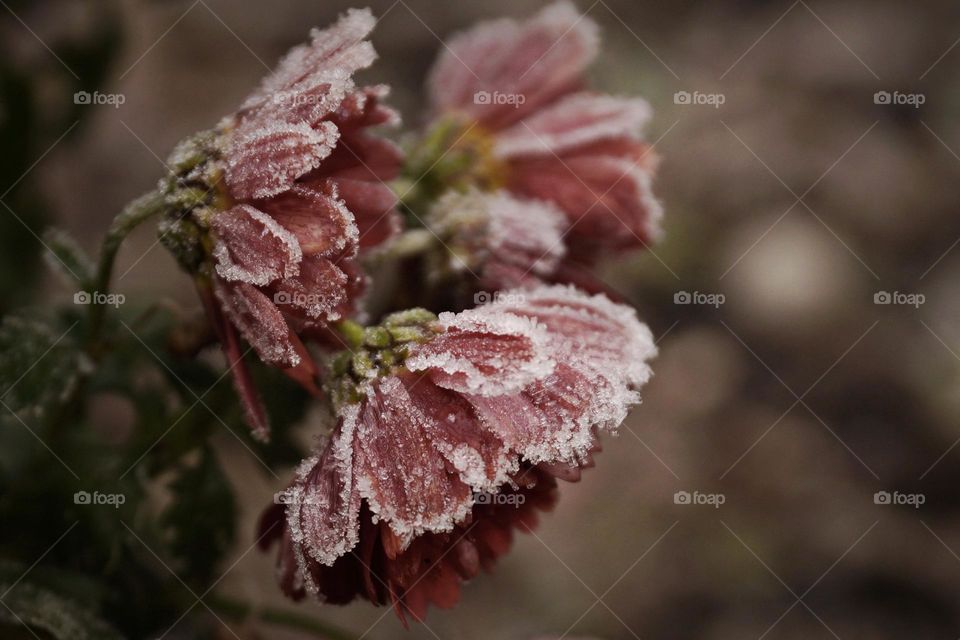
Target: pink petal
column 341, row 48
column 397, row 470
column 538, row 59
column 253, row 410
column 265, row 157
column 373, row 205
column 362, row 157
column 483, row 352
column 319, row 292
column 510, row 241
column 252, row 247
column 364, row 108
column 260, row 323
column 572, row 121
column 318, row 217
column 323, row 507
column 477, row 454
column 608, row 200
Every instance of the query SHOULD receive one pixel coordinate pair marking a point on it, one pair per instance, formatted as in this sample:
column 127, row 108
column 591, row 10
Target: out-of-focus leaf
column 68, row 259
column 201, row 518
column 39, row 367
column 45, row 610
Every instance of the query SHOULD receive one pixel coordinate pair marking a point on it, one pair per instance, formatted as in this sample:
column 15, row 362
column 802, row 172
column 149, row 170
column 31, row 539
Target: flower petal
column 318, row 217
column 572, row 121
column 535, row 61
column 483, row 352
column 399, row 473
column 265, row 157
column 449, row 421
column 252, row 247
column 260, row 323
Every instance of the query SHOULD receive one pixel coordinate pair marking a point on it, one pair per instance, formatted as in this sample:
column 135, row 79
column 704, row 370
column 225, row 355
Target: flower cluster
column 451, row 426
column 511, row 96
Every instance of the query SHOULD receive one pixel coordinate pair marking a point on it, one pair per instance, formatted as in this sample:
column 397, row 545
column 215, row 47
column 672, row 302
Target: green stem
column 240, row 611
column 132, row 215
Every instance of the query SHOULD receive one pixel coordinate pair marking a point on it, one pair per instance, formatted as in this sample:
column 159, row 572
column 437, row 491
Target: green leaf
column 67, row 259
column 42, row 609
column 39, row 367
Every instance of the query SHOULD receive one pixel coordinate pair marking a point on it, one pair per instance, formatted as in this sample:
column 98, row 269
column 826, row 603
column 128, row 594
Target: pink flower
column 451, row 437
column 300, row 190
column 505, row 241
column 520, row 83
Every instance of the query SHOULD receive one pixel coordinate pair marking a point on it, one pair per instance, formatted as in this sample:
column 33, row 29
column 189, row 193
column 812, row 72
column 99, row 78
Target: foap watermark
column 95, row 297
column 486, row 297
column 697, row 98
column 699, row 297
column 96, row 498
column 499, row 499
column 291, row 496
column 898, row 297
column 297, row 299
column 97, row 98
column 899, row 499
column 697, row 498
column 497, row 97
column 898, row 98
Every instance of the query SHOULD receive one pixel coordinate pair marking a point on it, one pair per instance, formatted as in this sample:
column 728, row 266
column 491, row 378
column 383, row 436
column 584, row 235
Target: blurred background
column 806, row 297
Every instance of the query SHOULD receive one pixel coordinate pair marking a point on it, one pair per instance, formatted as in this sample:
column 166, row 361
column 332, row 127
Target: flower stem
column 292, row 620
column 132, row 215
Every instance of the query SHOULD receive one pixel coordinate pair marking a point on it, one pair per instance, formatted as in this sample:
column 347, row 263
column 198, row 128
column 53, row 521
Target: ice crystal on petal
column 324, row 507
column 340, row 47
column 260, row 323
column 509, row 240
column 399, row 473
column 484, row 353
column 265, row 158
column 252, row 247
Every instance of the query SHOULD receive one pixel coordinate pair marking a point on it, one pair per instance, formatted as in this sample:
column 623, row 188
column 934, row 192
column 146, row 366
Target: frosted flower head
column 520, row 85
column 504, row 241
column 278, row 200
column 453, row 441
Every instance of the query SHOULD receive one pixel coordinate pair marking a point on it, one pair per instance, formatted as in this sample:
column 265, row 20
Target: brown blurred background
column 798, row 199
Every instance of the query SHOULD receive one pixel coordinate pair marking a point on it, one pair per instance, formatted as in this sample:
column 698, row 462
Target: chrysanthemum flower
column 451, row 433
column 505, row 241
column 514, row 93
column 290, row 188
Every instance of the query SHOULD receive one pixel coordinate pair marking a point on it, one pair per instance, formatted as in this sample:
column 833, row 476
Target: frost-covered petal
column 483, row 352
column 480, row 458
column 364, row 107
column 535, row 61
column 318, row 217
column 265, row 157
column 373, row 204
column 260, row 323
column 589, row 329
column 397, row 470
column 572, row 121
column 252, row 247
column 318, row 292
column 341, row 47
column 322, row 506
column 509, row 240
